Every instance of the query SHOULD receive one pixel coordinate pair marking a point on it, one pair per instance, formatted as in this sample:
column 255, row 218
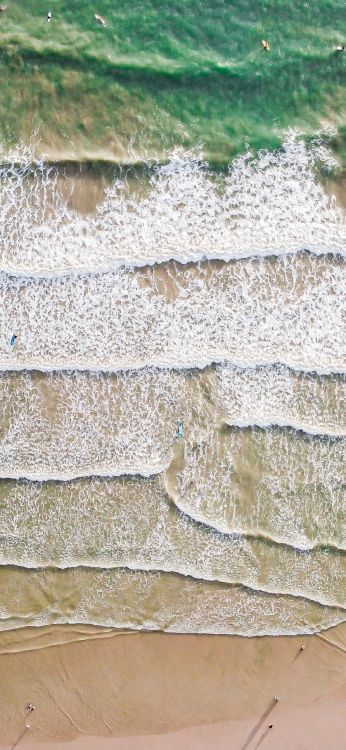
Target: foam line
column 271, row 204
column 139, row 600
column 253, row 312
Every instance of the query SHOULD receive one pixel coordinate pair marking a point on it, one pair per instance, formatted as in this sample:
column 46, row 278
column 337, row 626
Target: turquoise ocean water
column 162, row 73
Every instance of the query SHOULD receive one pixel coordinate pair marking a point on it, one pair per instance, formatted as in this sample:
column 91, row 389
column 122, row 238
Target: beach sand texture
column 100, row 688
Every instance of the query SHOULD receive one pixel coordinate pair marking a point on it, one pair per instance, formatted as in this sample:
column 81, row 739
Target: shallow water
column 153, row 601
column 271, row 204
column 251, row 312
column 132, row 523
column 126, row 423
column 217, row 300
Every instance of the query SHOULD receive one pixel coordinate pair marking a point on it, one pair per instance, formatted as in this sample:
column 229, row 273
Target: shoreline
column 160, row 691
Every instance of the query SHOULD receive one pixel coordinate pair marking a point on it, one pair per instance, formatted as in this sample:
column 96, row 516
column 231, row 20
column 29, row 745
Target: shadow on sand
column 259, row 724
column 300, row 652
column 262, row 737
column 20, row 738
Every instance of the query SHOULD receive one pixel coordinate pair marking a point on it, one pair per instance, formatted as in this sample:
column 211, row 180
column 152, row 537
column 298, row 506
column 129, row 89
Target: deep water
column 162, row 73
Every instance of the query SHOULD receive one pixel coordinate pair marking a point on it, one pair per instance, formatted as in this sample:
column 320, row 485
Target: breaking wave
column 252, row 312
column 75, row 424
column 265, row 205
column 154, row 601
column 145, row 531
column 216, row 301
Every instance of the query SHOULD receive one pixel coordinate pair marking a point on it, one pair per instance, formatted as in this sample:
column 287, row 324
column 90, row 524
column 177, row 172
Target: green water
column 185, row 72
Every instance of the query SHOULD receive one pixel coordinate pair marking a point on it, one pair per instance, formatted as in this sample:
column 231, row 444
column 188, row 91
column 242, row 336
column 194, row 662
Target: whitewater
column 288, row 310
column 215, row 301
column 269, row 204
column 153, row 535
column 126, row 423
column 154, row 601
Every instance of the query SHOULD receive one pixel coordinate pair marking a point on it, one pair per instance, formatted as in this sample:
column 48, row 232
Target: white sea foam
column 278, row 483
column 268, row 396
column 269, row 204
column 67, row 425
column 70, row 290
column 154, row 601
column 132, row 524
column 249, row 312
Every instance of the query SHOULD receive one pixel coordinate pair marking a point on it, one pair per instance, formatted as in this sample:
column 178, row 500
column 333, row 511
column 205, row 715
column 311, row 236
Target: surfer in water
column 13, row 341
column 180, row 430
column 99, row 19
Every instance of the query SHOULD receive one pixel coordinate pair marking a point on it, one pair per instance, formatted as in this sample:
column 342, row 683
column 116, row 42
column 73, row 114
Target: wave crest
column 154, row 601
column 251, row 312
column 145, row 531
column 265, row 205
column 68, row 425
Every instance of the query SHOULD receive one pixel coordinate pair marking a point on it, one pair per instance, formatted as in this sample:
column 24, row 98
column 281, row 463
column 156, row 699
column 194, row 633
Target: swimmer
column 49, row 16
column 99, row 19
column 339, row 48
column 13, row 341
column 3, row 8
column 180, row 430
column 265, row 45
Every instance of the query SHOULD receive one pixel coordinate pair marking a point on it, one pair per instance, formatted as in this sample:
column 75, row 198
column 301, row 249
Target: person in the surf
column 13, row 341
column 180, row 430
column 99, row 19
column 339, row 48
column 49, row 16
column 265, row 45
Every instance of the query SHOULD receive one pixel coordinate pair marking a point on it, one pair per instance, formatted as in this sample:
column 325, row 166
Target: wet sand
column 133, row 691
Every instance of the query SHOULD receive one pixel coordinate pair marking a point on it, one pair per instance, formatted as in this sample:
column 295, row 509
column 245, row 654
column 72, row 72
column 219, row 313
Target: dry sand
column 139, row 691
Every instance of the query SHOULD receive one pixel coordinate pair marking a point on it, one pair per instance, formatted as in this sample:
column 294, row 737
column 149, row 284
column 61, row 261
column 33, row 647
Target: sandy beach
column 95, row 687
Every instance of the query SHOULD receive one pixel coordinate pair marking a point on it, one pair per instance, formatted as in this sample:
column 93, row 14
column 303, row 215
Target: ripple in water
column 153, row 601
